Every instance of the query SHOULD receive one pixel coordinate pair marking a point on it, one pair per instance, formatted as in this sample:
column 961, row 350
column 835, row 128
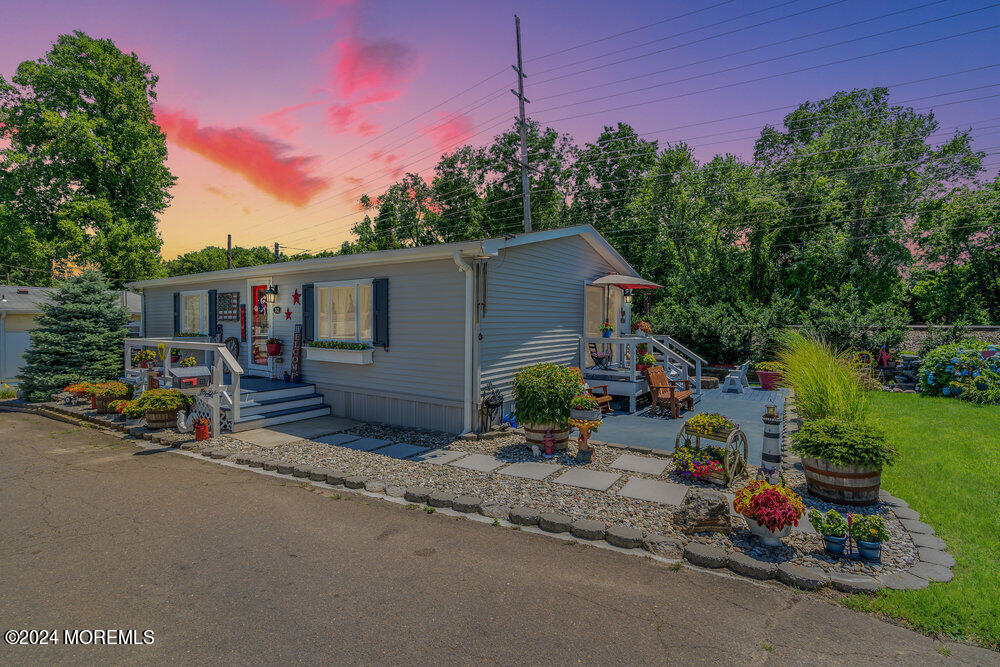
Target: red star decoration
column 288, row 314
column 295, row 297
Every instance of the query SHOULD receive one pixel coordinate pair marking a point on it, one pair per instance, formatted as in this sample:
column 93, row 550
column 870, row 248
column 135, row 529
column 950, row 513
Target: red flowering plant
column 772, row 506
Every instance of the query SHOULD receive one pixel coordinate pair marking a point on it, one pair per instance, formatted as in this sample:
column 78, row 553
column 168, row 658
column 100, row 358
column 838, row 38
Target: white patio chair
column 736, row 382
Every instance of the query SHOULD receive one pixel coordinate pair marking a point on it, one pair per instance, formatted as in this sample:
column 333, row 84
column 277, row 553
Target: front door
column 260, row 326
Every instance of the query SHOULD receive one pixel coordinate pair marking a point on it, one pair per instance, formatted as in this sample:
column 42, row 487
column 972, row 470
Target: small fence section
column 224, row 371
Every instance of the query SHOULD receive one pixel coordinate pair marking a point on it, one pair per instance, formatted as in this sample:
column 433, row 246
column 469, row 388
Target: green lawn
column 949, row 471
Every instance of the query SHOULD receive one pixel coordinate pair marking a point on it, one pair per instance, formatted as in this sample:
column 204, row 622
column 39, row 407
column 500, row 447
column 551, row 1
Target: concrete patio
column 643, row 430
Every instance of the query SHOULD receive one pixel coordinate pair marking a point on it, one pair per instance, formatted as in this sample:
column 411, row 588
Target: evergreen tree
column 79, row 337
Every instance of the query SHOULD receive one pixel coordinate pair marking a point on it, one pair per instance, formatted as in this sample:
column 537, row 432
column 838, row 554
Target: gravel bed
column 648, row 517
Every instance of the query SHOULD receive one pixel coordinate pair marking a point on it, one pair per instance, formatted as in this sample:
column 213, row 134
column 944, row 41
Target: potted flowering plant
column 607, row 329
column 201, row 429
column 644, row 362
column 703, row 464
column 642, row 326
column 585, row 408
column 117, row 407
column 106, row 392
column 710, row 423
column 770, row 510
column 273, row 347
column 869, row 532
column 769, row 374
column 188, row 362
column 175, row 355
column 833, row 527
column 143, row 358
column 131, row 411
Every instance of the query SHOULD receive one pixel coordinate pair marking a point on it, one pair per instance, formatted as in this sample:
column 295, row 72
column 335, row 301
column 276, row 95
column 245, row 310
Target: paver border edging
column 933, row 564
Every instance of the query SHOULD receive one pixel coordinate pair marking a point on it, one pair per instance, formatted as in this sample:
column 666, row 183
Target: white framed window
column 344, row 310
column 194, row 312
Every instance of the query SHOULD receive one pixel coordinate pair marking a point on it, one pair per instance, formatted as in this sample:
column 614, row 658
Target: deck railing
column 681, row 356
column 218, row 359
column 679, row 361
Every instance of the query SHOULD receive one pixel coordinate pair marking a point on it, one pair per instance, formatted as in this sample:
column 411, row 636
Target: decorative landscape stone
column 355, row 481
column 936, row 557
column 704, row 510
column 664, row 545
column 335, row 477
column 467, row 504
column 417, row 494
column 524, row 516
column 906, row 513
column 588, row 529
column 625, row 537
column 440, row 499
column 301, row 470
column 903, row 581
column 318, row 474
column 554, row 522
column 931, row 572
column 285, row 468
column 705, row 555
column 395, row 491
column 374, row 486
column 927, row 540
column 807, row 578
column 749, row 566
column 915, row 526
column 219, row 454
column 495, row 511
column 853, row 583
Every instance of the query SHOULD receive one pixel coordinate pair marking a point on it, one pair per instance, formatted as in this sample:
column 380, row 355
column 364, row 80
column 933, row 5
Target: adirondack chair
column 671, row 394
column 598, row 391
column 736, row 382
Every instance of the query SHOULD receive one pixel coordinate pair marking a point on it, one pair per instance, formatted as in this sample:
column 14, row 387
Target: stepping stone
column 524, row 516
column 915, row 526
column 530, row 470
column 467, row 504
column 936, row 556
column 555, row 522
column 588, row 479
column 665, row 493
column 905, row 513
column 633, row 463
column 903, row 581
column 930, row 541
column 401, row 450
column 479, row 462
column 705, row 555
column 367, row 444
column 338, row 439
column 438, row 456
column 440, row 499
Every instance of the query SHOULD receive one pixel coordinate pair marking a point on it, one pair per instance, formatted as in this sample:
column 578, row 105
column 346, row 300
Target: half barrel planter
column 159, row 419
column 535, row 435
column 845, row 485
column 101, row 403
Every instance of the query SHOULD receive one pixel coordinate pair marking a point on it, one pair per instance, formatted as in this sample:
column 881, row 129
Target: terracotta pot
column 273, row 349
column 769, row 379
column 161, row 419
column 845, row 485
column 201, row 432
column 174, row 358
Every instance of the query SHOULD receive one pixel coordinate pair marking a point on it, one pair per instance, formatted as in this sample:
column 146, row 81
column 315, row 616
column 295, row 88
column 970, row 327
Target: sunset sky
column 279, row 114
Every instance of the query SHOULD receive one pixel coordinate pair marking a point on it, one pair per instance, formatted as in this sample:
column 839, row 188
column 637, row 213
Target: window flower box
column 337, row 355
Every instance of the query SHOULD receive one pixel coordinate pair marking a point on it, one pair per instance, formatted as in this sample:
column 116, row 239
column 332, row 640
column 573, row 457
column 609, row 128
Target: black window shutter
column 308, row 303
column 177, row 312
column 213, row 311
column 380, row 312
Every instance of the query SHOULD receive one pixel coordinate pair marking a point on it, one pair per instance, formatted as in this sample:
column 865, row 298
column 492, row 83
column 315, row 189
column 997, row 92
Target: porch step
column 256, row 406
column 280, row 416
column 283, row 393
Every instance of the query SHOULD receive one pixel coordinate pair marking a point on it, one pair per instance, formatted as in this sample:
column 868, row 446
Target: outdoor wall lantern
column 628, row 295
column 270, row 293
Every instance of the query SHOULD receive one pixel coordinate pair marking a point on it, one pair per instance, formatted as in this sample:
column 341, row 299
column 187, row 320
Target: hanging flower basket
column 273, row 347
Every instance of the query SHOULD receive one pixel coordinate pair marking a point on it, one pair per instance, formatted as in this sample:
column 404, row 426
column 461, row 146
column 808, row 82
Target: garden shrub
column 542, row 393
column 843, row 443
column 723, row 333
column 825, row 383
column 959, row 370
column 845, row 325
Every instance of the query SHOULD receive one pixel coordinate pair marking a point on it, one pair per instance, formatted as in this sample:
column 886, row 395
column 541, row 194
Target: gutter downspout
column 466, row 268
column 3, row 343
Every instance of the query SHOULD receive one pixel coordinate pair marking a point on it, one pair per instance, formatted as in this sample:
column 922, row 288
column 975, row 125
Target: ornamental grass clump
column 772, row 506
column 543, row 392
column 844, row 443
column 825, row 382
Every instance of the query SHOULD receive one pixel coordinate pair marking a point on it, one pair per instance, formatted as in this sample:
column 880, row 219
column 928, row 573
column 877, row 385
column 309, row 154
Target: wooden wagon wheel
column 683, row 434
column 737, row 449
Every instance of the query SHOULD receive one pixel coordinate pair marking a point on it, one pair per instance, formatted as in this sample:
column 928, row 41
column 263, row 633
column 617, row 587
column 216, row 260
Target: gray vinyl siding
column 417, row 382
column 535, row 307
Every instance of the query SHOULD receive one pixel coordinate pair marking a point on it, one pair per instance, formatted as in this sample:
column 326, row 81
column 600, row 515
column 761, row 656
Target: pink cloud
column 446, row 133
column 281, row 121
column 263, row 161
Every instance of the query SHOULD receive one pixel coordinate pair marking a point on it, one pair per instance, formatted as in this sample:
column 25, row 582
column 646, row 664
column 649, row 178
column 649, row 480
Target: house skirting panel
column 395, row 410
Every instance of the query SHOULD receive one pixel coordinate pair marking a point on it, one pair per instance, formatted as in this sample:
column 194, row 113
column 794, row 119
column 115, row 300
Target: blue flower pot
column 870, row 550
column 835, row 545
column 606, row 334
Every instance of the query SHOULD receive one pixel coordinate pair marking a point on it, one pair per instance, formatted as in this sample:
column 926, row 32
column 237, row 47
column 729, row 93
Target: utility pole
column 229, row 251
column 275, row 253
column 519, row 93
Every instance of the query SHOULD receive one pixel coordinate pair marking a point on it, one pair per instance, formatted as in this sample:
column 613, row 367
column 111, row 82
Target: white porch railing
column 218, row 359
column 679, row 361
column 679, row 356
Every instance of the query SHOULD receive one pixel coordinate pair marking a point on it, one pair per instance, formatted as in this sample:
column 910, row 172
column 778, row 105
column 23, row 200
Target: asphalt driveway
column 225, row 565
